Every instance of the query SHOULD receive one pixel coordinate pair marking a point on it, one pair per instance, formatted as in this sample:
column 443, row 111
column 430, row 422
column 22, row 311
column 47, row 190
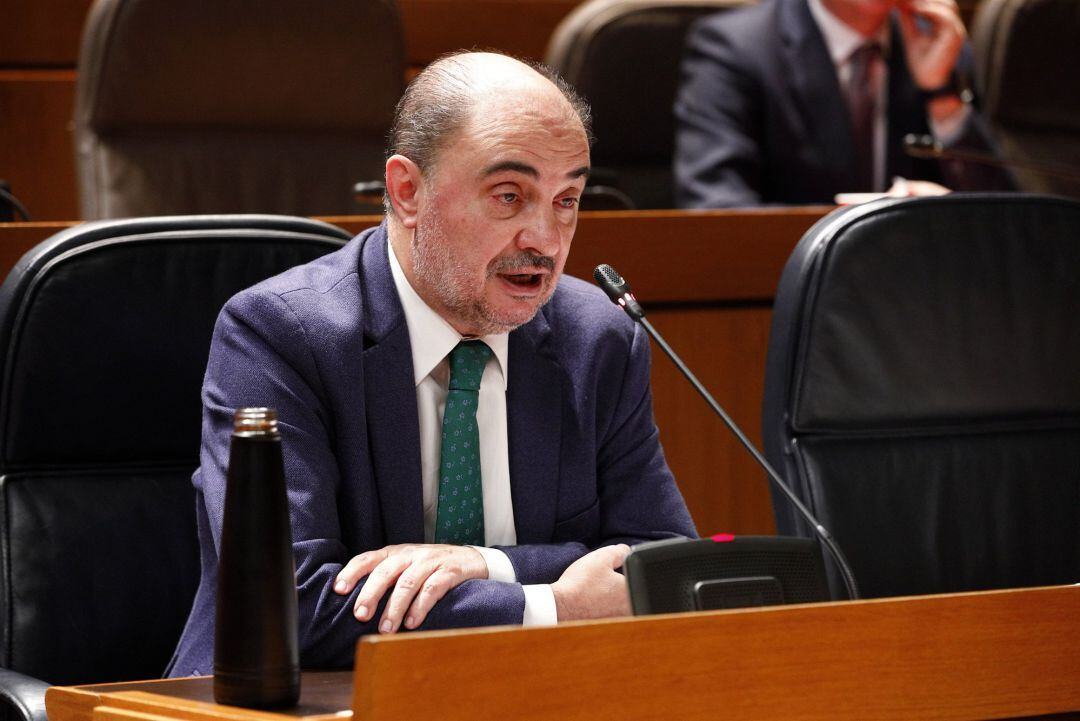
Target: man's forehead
column 526, row 168
column 518, row 140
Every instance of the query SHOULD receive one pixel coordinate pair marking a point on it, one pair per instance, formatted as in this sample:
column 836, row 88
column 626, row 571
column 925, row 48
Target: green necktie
column 460, row 518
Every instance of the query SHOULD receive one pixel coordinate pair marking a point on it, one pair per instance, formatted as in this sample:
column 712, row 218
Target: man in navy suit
column 768, row 110
column 488, row 159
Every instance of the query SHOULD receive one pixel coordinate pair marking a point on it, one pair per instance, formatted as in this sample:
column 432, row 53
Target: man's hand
column 933, row 36
column 904, row 188
column 419, row 574
column 590, row 588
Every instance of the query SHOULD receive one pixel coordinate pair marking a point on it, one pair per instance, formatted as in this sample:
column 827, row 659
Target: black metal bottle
column 256, row 654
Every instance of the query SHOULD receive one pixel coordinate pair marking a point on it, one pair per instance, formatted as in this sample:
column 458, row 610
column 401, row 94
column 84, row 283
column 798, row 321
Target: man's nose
column 542, row 234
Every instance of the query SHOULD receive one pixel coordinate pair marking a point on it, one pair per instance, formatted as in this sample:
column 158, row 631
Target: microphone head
column 609, row 279
column 618, row 290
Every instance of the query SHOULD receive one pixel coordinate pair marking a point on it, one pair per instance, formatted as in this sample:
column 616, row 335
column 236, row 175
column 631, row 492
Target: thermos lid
column 255, row 422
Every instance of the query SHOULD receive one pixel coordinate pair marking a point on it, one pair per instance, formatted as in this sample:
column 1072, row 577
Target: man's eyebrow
column 512, row 166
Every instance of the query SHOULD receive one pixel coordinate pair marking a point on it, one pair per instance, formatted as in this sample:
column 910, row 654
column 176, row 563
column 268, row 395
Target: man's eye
column 568, row 202
column 508, row 198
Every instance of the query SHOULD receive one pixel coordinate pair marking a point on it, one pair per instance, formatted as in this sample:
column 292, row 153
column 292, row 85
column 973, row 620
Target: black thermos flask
column 256, row 655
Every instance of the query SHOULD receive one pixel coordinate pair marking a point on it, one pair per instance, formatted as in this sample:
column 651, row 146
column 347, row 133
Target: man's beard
column 453, row 283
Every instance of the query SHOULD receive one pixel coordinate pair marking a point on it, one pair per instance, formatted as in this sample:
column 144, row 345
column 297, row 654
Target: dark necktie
column 862, row 99
column 460, row 515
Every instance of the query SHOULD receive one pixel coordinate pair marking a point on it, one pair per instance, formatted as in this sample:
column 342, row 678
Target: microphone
column 924, row 146
column 618, row 290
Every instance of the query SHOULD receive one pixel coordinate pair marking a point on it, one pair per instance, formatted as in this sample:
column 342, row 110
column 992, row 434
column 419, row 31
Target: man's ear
column 404, row 183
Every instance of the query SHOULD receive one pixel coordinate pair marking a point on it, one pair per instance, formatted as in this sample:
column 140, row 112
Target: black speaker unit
column 724, row 571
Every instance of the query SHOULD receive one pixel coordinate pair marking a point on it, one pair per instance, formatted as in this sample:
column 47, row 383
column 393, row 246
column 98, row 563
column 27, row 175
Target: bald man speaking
column 468, row 435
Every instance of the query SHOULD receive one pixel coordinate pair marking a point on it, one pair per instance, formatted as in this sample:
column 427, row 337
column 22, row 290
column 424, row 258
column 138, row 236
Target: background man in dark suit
column 355, row 351
column 794, row 101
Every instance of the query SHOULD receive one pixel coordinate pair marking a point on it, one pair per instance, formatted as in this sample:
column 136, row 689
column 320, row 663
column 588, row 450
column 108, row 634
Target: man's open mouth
column 524, row 281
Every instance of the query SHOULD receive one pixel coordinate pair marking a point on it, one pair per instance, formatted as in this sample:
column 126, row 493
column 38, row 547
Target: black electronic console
column 724, row 572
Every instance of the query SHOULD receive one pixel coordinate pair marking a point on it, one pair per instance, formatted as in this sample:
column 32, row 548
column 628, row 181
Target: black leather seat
column 246, row 106
column 105, row 329
column 623, row 56
column 922, row 391
column 1023, row 49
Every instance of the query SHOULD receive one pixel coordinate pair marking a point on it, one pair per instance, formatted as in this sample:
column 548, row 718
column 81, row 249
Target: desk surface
column 324, row 695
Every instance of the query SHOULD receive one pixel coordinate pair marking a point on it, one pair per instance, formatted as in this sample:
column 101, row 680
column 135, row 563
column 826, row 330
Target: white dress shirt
column 432, row 339
column 842, row 42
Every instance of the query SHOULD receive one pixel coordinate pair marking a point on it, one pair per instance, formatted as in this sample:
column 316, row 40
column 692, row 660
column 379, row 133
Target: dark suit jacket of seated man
column 482, row 209
column 761, row 116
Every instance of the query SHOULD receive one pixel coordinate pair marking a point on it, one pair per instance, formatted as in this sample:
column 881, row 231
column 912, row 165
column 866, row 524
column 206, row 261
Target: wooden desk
column 707, row 280
column 1002, row 654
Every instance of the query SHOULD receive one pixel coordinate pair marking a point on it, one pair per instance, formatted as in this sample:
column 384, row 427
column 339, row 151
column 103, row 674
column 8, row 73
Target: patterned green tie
column 460, row 518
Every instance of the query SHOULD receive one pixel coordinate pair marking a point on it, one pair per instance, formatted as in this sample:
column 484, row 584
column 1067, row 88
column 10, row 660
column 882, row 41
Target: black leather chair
column 922, row 392
column 623, row 56
column 245, row 106
column 1023, row 49
column 105, row 329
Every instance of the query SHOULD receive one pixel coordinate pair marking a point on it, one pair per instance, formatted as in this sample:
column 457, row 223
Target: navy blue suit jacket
column 761, row 119
column 326, row 344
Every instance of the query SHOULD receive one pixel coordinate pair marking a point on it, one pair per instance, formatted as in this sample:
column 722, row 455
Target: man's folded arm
column 329, row 631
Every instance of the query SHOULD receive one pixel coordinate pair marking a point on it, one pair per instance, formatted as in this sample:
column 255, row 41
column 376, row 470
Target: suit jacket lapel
column 390, row 399
column 534, row 429
column 809, row 71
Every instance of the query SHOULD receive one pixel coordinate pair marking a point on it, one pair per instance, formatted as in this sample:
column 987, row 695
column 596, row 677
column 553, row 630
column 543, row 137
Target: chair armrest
column 25, row 694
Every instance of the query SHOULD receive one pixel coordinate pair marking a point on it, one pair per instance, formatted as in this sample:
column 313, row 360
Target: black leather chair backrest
column 106, row 329
column 623, row 57
column 234, row 106
column 922, row 390
column 1026, row 52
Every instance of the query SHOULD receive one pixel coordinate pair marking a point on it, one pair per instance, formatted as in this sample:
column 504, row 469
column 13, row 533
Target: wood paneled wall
column 39, row 42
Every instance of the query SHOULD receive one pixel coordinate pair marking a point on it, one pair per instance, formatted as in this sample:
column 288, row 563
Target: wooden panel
column 674, row 256
column 967, row 656
column 41, row 33
column 36, row 152
column 723, row 486
column 518, row 27
column 17, row 238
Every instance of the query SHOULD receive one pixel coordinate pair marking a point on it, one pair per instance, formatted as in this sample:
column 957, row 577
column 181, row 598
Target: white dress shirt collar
column 430, row 336
column 840, row 38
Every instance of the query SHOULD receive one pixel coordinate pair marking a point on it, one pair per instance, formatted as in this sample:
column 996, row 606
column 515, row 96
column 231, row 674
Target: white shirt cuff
column 539, row 606
column 949, row 130
column 498, row 563
column 539, row 598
